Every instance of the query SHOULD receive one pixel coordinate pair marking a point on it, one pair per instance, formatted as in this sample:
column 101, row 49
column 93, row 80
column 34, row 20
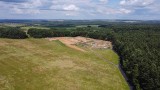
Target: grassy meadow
column 39, row 64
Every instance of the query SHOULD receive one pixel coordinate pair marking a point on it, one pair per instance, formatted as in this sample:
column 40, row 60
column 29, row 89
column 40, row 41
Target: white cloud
column 104, row 1
column 81, row 7
column 32, row 4
column 148, row 6
column 125, row 11
column 17, row 10
column 136, row 2
column 71, row 7
column 25, row 11
column 30, row 7
column 113, row 11
column 71, row 13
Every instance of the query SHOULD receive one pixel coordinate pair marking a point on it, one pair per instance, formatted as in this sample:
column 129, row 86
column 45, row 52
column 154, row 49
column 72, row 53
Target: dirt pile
column 94, row 43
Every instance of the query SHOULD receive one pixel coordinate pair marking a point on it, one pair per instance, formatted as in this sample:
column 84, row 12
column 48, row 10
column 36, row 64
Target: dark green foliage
column 40, row 33
column 138, row 47
column 85, row 32
column 14, row 33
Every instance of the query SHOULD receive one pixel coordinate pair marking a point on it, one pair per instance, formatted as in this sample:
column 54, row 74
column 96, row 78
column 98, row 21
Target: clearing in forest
column 72, row 42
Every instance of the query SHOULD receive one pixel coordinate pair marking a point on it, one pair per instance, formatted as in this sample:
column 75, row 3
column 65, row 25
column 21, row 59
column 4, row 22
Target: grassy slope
column 37, row 64
column 110, row 55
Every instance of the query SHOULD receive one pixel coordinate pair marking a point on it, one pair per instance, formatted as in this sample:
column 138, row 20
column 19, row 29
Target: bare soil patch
column 83, row 41
column 3, row 43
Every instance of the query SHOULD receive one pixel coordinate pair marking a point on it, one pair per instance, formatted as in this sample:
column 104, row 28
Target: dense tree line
column 14, row 33
column 138, row 47
column 40, row 33
column 96, row 33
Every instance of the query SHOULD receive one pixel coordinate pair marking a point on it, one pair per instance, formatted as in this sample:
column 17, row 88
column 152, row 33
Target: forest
column 138, row 46
column 10, row 32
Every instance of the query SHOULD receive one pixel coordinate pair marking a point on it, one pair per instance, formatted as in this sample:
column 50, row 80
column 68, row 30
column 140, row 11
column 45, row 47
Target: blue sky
column 80, row 9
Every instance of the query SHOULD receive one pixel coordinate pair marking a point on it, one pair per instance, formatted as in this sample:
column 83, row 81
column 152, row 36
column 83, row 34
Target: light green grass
column 109, row 54
column 38, row 64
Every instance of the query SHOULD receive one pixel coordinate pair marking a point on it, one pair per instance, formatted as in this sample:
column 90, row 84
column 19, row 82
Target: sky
column 80, row 9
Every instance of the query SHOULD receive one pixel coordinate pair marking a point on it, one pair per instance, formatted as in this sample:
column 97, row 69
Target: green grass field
column 39, row 64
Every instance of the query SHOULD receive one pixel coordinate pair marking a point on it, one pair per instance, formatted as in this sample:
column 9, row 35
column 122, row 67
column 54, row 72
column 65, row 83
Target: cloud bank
column 80, row 9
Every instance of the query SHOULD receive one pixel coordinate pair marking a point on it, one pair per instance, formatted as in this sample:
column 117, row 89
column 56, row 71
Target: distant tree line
column 11, row 32
column 40, row 33
column 97, row 33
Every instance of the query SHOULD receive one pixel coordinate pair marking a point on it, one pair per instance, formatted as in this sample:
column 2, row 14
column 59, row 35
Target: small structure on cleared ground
column 73, row 42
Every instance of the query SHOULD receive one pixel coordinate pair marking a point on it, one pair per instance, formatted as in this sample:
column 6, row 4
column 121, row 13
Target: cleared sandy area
column 83, row 41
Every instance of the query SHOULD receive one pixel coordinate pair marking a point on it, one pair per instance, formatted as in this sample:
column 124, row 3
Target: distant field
column 87, row 25
column 12, row 24
column 39, row 64
column 38, row 27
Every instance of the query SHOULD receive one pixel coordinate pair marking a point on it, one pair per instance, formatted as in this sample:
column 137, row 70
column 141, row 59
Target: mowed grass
column 38, row 64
